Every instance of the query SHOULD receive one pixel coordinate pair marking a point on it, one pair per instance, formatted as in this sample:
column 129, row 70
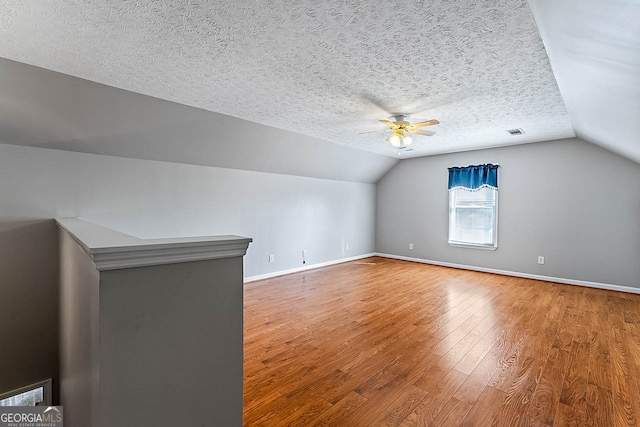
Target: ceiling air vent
column 515, row 131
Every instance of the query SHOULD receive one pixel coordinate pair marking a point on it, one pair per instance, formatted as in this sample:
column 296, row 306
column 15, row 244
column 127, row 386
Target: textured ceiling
column 326, row 69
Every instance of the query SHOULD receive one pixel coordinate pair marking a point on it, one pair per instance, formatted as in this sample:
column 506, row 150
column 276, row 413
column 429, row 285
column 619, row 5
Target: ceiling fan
column 401, row 128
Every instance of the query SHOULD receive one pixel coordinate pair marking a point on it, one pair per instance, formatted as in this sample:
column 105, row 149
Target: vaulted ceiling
column 330, row 70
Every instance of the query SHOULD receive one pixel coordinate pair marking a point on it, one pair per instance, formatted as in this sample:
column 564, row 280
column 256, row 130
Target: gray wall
column 28, row 299
column 572, row 202
column 171, row 345
column 284, row 214
column 79, row 335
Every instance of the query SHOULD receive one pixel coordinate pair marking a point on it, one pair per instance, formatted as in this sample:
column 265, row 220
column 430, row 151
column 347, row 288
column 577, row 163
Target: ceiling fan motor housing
column 401, row 119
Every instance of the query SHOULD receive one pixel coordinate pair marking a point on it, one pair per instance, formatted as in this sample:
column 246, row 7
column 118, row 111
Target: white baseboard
column 597, row 285
column 305, row 268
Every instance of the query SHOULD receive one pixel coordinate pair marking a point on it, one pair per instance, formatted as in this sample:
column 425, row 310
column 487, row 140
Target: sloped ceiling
column 329, row 70
column 46, row 109
column 594, row 48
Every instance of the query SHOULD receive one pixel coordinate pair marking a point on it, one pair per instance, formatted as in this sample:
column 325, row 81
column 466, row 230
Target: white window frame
column 460, row 244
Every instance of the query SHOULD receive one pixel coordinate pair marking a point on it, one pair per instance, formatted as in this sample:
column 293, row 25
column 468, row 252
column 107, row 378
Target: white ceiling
column 326, row 69
column 594, row 48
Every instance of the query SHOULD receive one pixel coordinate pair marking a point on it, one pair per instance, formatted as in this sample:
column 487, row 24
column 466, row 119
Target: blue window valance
column 474, row 176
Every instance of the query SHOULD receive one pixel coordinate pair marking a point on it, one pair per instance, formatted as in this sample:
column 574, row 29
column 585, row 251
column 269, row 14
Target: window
column 473, row 206
column 32, row 395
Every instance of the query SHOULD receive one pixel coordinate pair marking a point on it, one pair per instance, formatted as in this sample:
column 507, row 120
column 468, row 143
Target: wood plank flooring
column 388, row 342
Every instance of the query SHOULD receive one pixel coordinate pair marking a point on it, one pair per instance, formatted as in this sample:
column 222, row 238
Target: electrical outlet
column 304, row 256
column 272, row 258
column 410, row 245
column 346, row 247
column 540, row 260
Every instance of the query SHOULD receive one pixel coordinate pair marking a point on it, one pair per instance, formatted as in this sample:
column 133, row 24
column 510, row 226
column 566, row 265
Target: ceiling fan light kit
column 399, row 139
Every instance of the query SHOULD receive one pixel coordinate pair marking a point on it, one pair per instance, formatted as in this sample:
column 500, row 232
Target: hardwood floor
column 388, row 342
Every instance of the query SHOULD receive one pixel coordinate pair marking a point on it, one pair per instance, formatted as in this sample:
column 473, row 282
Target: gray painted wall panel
column 28, row 301
column 79, row 335
column 573, row 203
column 171, row 345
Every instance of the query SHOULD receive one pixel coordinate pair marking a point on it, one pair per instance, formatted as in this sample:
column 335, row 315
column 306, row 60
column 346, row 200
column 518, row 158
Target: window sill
column 471, row 246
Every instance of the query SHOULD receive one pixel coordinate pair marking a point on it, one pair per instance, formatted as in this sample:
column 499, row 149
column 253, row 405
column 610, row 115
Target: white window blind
column 473, row 217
